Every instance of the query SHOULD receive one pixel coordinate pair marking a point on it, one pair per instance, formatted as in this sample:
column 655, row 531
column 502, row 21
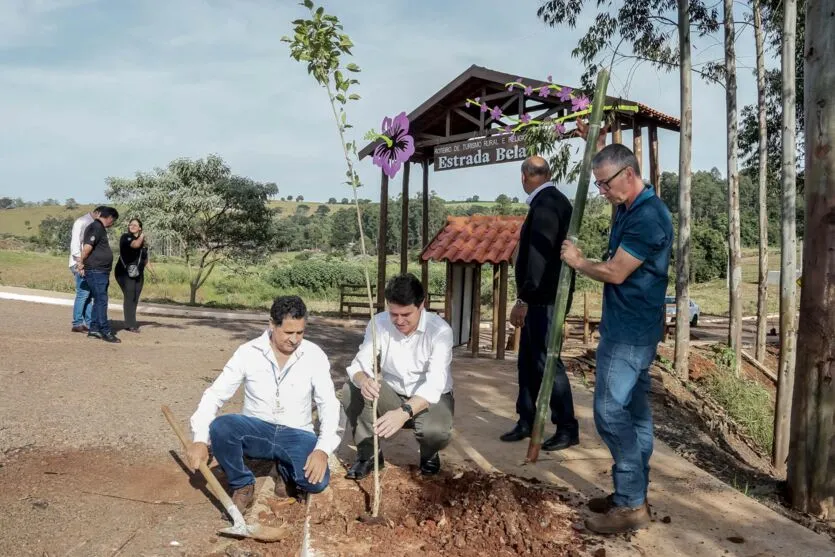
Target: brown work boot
column 618, row 520
column 244, row 497
column 602, row 505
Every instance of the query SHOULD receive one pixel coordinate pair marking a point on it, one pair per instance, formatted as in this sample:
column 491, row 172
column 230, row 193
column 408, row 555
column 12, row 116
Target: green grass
column 747, row 402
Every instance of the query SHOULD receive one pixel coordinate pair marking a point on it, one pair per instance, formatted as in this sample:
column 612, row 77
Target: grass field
column 169, row 282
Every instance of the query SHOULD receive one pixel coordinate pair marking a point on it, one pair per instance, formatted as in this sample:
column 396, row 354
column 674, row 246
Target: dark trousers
column 533, row 351
column 433, row 427
column 131, row 289
column 99, row 282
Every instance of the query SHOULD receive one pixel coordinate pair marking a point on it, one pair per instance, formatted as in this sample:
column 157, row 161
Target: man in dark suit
column 537, row 274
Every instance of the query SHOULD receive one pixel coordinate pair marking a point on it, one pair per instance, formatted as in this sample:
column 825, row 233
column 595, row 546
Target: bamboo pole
column 555, row 336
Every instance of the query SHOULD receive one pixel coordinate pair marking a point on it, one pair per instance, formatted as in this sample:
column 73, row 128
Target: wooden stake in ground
column 555, row 336
column 811, row 466
column 762, row 280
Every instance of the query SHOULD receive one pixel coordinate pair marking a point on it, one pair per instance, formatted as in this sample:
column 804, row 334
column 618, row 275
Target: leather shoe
column 561, row 440
column 430, row 466
column 95, row 334
column 111, row 338
column 363, row 467
column 518, row 433
column 80, row 329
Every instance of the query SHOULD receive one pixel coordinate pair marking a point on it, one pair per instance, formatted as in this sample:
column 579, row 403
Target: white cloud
column 91, row 89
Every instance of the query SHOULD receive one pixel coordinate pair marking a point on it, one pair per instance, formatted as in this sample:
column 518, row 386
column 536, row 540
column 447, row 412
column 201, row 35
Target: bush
column 316, row 275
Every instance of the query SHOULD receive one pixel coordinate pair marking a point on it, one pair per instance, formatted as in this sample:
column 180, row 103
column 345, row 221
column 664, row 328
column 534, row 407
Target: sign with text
column 479, row 152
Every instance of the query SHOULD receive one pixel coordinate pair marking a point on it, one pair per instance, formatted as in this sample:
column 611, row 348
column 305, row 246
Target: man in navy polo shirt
column 635, row 284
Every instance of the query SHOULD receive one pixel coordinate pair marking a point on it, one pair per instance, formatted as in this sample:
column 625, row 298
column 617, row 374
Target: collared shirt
column 633, row 312
column 535, row 192
column 78, row 227
column 101, row 257
column 280, row 396
column 413, row 365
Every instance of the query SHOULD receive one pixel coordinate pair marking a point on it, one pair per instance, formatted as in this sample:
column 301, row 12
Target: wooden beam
column 501, row 339
column 761, row 368
column 496, row 96
column 382, row 232
column 654, row 163
column 466, row 116
column 424, row 228
column 404, row 221
column 475, row 322
column 638, row 144
column 494, row 333
column 448, row 118
column 517, row 97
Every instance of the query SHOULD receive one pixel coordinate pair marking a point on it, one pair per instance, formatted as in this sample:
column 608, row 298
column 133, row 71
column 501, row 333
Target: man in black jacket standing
column 537, row 270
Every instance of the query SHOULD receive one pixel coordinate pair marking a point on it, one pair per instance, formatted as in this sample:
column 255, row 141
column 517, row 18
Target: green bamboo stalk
column 566, row 272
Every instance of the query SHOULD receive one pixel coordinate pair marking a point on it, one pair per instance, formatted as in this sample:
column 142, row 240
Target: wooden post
column 500, row 341
column 617, row 137
column 382, row 232
column 654, row 163
column 517, row 339
column 638, row 143
column 448, row 295
column 586, row 334
column 424, row 229
column 494, row 336
column 475, row 323
column 404, row 221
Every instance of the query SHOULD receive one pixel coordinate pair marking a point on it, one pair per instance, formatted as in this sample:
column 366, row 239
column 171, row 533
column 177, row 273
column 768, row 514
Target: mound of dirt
column 469, row 514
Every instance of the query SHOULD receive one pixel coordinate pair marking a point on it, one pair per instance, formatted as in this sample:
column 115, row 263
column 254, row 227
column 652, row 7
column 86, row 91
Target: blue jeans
column 234, row 436
column 533, row 351
column 98, row 282
column 82, row 308
column 623, row 416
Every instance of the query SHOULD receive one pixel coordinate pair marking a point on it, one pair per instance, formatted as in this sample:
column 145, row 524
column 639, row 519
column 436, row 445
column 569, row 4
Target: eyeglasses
column 604, row 184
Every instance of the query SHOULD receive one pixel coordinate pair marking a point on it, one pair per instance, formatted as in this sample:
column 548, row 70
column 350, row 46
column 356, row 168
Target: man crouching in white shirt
column 281, row 373
column 415, row 349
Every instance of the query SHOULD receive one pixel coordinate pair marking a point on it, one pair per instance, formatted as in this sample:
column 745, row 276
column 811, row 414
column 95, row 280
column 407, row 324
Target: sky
column 97, row 88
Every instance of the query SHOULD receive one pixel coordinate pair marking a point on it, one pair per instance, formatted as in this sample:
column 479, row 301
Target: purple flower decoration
column 580, row 103
column 484, row 107
column 565, row 94
column 544, row 91
column 549, row 78
column 525, row 119
column 559, row 128
column 508, row 128
column 403, row 146
column 528, row 90
column 496, row 113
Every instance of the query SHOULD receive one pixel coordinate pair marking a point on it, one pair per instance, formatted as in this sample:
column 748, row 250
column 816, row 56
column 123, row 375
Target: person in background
column 130, row 270
column 82, row 307
column 94, row 265
column 537, row 266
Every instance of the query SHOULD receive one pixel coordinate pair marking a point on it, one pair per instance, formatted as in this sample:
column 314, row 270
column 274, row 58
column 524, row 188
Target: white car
column 670, row 301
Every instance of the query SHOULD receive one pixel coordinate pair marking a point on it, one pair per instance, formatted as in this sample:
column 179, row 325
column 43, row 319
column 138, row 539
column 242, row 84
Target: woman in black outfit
column 133, row 257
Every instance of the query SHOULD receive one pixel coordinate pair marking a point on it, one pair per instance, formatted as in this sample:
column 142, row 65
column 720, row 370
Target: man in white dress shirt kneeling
column 415, row 349
column 282, row 374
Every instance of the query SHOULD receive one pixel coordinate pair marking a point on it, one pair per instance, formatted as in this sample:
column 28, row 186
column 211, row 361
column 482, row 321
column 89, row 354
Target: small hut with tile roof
column 466, row 244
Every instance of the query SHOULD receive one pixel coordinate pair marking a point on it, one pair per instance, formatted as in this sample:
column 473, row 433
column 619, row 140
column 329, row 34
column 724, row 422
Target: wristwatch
column 408, row 409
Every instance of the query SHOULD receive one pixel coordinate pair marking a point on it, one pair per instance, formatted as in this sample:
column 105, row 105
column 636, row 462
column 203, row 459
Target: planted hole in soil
column 470, row 514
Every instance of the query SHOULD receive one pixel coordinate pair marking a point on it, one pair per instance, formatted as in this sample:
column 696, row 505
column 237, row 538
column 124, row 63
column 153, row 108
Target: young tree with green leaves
column 215, row 217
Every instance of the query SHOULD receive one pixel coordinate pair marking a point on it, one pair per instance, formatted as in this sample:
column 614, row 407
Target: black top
column 129, row 255
column 101, row 258
column 538, row 263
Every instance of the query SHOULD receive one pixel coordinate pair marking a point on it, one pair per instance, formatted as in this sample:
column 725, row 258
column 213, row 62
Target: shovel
column 239, row 528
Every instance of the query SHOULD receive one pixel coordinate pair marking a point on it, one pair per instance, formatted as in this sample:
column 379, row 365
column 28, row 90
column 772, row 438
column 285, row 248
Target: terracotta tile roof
column 475, row 239
column 657, row 115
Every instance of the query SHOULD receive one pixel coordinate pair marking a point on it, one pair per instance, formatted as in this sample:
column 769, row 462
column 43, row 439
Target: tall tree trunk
column 762, row 284
column 684, row 156
column 788, row 250
column 735, row 259
column 811, row 467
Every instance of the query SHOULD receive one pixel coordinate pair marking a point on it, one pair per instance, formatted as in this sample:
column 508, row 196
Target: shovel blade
column 256, row 532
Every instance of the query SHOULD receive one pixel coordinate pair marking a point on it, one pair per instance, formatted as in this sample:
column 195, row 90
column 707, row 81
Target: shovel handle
column 214, row 485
